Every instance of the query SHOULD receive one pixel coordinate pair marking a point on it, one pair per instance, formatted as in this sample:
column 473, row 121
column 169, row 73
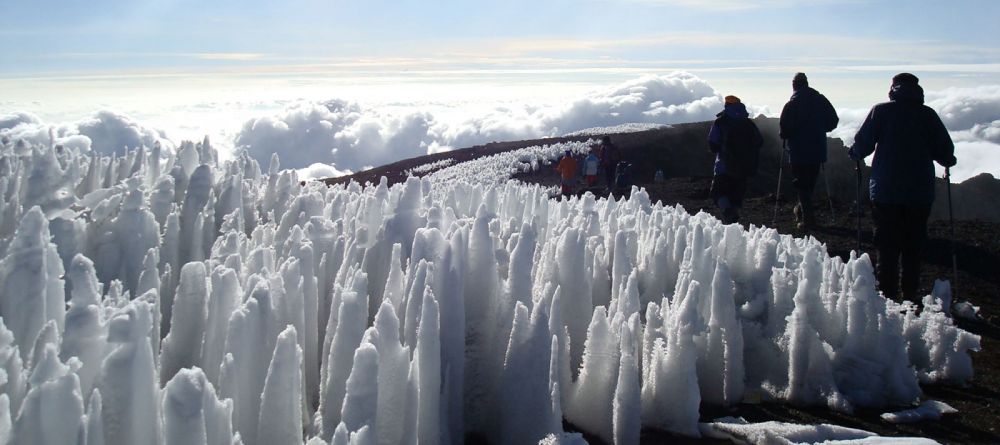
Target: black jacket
column 805, row 120
column 906, row 136
column 736, row 142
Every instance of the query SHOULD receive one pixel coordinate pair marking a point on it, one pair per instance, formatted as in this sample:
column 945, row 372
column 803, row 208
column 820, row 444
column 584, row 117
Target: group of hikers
column 604, row 159
column 905, row 136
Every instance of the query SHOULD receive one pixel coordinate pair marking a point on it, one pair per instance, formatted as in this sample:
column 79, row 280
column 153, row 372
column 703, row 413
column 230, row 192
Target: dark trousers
column 900, row 232
column 804, row 179
column 609, row 174
column 727, row 191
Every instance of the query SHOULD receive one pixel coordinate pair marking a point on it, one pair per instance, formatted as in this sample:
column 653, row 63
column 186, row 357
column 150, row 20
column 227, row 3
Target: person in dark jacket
column 610, row 156
column 736, row 142
column 906, row 137
column 805, row 120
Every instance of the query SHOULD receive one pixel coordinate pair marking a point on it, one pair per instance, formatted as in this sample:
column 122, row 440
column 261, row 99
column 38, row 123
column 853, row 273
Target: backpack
column 741, row 142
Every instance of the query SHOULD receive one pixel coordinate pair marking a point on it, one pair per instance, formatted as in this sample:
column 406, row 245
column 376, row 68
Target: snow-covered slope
column 217, row 304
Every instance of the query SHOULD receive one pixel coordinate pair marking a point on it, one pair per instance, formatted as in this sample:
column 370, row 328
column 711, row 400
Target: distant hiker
column 805, row 120
column 567, row 169
column 736, row 142
column 658, row 177
column 610, row 156
column 906, row 137
column 591, row 167
column 623, row 177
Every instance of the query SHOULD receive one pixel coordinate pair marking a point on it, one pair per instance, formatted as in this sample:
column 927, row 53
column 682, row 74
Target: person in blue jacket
column 736, row 142
column 906, row 137
column 805, row 120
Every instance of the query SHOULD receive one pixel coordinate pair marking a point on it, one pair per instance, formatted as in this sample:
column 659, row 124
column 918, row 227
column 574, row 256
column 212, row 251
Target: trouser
column 804, row 179
column 900, row 232
column 609, row 174
column 727, row 192
column 567, row 186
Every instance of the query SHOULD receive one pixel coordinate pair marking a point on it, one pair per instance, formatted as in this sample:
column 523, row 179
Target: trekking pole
column 777, row 193
column 857, row 168
column 829, row 198
column 951, row 220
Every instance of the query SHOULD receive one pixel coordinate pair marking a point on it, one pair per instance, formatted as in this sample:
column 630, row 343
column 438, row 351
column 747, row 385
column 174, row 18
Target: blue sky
column 60, row 38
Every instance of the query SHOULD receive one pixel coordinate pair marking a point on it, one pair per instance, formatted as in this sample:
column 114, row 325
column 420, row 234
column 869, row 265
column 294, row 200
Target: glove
column 949, row 162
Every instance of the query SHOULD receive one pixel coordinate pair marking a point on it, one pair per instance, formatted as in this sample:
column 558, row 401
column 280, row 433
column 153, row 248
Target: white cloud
column 319, row 171
column 337, row 132
column 112, row 132
column 350, row 136
column 735, row 5
column 106, row 132
column 966, row 108
column 19, row 118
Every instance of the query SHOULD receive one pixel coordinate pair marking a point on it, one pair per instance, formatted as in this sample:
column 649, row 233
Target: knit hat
column 732, row 100
column 904, row 78
column 800, row 79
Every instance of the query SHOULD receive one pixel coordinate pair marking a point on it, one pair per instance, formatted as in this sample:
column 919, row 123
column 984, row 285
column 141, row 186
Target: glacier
column 163, row 297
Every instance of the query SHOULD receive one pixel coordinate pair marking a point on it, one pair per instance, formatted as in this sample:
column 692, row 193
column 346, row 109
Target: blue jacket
column 805, row 120
column 906, row 137
column 736, row 142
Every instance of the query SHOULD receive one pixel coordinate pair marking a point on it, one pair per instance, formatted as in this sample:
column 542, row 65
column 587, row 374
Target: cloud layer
column 350, row 136
column 106, row 132
column 339, row 136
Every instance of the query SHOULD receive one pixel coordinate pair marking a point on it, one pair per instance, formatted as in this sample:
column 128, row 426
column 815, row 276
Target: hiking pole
column 777, row 193
column 829, row 198
column 951, row 241
column 857, row 168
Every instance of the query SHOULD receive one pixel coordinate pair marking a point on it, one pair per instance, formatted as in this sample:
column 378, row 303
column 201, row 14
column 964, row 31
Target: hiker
column 736, row 142
column 610, row 156
column 567, row 169
column 805, row 120
column 658, row 177
column 623, row 177
column 591, row 166
column 906, row 137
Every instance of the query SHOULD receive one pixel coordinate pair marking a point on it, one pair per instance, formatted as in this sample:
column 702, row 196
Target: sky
column 190, row 68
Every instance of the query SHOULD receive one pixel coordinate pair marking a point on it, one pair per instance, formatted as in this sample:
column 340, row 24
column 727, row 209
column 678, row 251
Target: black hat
column 904, row 78
column 800, row 78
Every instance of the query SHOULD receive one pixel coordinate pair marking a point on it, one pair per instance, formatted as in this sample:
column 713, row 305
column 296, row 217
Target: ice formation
column 765, row 433
column 165, row 298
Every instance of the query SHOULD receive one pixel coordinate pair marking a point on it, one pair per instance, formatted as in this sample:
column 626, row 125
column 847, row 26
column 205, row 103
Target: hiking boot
column 805, row 216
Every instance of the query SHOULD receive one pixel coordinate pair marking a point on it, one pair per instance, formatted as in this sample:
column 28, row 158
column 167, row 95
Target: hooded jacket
column 805, row 120
column 736, row 142
column 906, row 137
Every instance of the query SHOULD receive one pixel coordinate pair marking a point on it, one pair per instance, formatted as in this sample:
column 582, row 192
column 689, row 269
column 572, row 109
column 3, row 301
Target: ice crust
column 164, row 298
column 780, row 433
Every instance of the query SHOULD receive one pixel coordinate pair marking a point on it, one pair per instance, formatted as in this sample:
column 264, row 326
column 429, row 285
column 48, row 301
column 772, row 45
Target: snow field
column 216, row 304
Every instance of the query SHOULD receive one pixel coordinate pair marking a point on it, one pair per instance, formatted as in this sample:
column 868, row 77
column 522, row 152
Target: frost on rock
column 457, row 304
